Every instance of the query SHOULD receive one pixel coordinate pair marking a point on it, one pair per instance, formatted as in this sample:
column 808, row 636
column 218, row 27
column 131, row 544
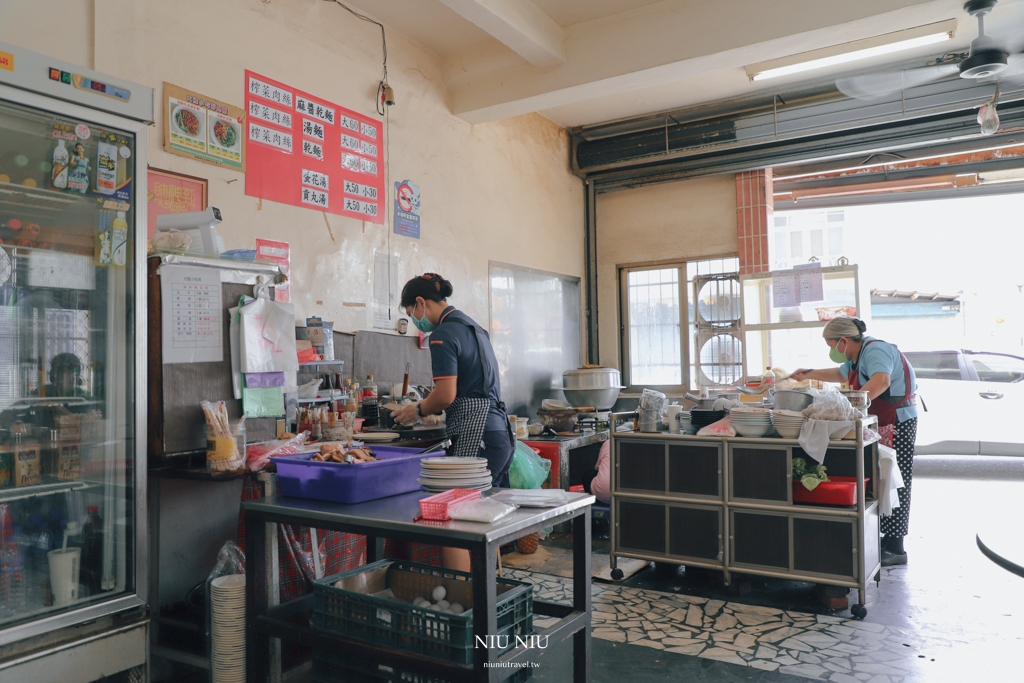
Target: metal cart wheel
column 859, row 611
column 617, row 574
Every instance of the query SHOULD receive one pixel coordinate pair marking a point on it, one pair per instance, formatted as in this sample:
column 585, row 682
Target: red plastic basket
column 435, row 507
column 835, row 491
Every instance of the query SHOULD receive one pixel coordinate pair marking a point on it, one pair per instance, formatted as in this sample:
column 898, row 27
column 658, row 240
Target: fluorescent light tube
column 850, row 52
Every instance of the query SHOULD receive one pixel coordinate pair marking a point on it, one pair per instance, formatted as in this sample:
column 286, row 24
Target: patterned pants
column 903, row 443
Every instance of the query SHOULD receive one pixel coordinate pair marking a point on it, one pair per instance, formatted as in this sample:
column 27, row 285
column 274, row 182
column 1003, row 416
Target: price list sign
column 305, row 151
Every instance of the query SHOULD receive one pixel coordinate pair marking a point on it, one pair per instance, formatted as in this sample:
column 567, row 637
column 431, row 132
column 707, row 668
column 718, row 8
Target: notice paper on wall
column 785, row 289
column 811, row 282
column 192, row 315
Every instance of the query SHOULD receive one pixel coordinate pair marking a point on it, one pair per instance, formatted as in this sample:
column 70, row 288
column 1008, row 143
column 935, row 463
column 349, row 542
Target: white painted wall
column 497, row 191
column 685, row 220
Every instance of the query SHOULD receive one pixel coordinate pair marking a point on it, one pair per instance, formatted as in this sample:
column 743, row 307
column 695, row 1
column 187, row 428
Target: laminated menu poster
column 305, row 151
column 203, row 128
column 192, row 316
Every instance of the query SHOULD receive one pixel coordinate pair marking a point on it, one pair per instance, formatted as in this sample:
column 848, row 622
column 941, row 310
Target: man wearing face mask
column 877, row 367
column 465, row 373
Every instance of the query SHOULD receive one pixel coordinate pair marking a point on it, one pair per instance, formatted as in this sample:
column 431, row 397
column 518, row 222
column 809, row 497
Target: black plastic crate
column 399, row 625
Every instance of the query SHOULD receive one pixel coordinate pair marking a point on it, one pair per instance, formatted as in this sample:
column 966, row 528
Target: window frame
column 686, row 327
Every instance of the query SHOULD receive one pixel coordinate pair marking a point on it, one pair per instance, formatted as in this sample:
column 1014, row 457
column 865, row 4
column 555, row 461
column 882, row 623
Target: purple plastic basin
column 299, row 476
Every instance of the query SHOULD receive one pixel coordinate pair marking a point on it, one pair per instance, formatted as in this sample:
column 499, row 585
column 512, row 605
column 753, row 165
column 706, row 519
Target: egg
column 439, row 593
column 456, row 608
column 443, row 604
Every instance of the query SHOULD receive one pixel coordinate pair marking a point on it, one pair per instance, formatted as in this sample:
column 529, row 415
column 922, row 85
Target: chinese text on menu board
column 311, row 153
column 192, row 313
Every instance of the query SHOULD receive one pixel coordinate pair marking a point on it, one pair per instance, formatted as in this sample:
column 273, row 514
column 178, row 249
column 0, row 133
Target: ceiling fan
column 990, row 59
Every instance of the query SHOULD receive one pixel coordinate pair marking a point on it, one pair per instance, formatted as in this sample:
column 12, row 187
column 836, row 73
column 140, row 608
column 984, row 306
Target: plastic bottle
column 11, row 228
column 12, row 567
column 92, row 551
column 768, row 377
column 61, row 164
column 106, row 166
column 370, row 412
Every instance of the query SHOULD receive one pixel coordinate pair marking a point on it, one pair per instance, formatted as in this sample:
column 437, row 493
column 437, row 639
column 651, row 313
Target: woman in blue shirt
column 878, row 368
column 465, row 373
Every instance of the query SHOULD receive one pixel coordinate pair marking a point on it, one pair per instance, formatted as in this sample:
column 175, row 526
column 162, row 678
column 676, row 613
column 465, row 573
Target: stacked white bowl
column 752, row 422
column 685, row 426
column 227, row 628
column 788, row 423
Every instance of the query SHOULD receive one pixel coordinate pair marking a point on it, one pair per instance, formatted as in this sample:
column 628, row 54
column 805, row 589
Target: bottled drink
column 12, row 567
column 370, row 413
column 92, row 551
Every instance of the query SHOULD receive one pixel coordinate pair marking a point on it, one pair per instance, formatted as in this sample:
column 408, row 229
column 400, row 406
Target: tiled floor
column 950, row 615
column 796, row 643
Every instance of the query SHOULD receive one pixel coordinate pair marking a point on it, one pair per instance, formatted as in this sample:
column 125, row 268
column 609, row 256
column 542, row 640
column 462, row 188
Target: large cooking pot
column 592, row 386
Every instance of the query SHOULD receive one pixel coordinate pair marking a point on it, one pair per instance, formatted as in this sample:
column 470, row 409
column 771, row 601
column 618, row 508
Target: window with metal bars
column 657, row 352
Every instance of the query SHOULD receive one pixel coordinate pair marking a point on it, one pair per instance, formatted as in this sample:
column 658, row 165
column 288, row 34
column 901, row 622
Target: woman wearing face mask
column 465, row 373
column 878, row 368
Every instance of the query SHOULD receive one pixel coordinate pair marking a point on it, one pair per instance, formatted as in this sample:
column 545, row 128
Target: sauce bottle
column 61, row 164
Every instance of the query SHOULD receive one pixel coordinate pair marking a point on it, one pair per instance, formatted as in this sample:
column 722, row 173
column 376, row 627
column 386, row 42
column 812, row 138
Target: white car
column 974, row 401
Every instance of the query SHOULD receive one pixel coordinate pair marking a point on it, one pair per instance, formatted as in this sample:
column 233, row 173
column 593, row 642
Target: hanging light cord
column 384, row 43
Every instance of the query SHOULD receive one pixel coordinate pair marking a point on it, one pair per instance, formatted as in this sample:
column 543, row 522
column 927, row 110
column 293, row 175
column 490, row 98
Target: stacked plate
column 751, row 421
column 702, row 417
column 787, row 423
column 685, row 425
column 442, row 474
column 791, row 314
column 227, row 628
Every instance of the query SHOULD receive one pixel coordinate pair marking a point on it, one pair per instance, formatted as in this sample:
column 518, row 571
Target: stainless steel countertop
column 396, row 513
column 567, row 443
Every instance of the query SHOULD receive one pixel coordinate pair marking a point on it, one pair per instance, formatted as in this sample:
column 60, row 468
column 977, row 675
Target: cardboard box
column 27, row 471
column 63, row 461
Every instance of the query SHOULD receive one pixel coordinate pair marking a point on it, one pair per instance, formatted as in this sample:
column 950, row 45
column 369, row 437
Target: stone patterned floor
column 808, row 645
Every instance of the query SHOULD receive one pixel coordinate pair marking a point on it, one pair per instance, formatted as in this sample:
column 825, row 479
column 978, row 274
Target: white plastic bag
column 721, row 428
column 485, row 510
column 831, row 405
column 267, row 336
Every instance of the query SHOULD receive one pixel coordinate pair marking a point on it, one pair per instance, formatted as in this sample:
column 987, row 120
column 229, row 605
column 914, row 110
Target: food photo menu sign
column 305, row 151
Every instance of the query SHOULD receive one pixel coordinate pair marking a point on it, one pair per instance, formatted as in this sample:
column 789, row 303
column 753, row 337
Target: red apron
column 884, row 407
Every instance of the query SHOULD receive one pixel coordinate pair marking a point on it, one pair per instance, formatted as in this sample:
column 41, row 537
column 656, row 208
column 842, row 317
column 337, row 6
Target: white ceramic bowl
column 751, row 430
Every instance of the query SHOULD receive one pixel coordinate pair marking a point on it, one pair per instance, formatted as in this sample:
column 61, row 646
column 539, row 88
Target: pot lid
column 590, row 370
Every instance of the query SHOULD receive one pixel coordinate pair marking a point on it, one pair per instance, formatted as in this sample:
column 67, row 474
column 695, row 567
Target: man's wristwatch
column 419, row 409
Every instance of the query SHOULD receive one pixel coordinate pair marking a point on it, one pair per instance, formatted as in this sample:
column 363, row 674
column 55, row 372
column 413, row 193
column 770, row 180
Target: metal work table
column 392, row 518
column 566, row 444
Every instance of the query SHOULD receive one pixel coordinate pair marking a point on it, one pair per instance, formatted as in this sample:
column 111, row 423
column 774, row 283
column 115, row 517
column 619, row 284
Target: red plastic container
column 836, row 491
column 435, row 507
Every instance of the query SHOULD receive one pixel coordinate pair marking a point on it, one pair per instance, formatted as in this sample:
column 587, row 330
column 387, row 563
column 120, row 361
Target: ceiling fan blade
column 873, row 86
column 1014, row 68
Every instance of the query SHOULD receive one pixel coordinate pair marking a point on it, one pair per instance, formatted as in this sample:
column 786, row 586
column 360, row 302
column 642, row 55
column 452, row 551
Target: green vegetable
column 810, row 477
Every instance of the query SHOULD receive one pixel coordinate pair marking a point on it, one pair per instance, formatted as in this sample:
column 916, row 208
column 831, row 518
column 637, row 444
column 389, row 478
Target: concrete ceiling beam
column 519, row 25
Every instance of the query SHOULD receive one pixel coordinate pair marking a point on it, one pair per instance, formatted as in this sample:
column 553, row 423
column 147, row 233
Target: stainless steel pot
column 792, row 400
column 591, row 386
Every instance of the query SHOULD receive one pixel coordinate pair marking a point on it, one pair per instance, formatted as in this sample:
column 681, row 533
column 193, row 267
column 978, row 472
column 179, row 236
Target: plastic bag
column 485, row 510
column 831, row 405
column 721, row 428
column 528, row 470
column 230, row 560
column 259, row 454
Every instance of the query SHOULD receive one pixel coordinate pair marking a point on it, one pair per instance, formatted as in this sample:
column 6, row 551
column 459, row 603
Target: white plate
column 184, row 131
column 447, row 474
column 376, row 436
column 216, row 141
column 228, row 582
column 452, row 462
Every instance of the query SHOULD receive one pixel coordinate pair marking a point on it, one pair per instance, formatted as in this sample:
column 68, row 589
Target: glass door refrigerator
column 72, row 372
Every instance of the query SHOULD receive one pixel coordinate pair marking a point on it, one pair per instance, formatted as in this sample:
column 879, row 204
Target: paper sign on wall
column 305, row 151
column 192, row 314
column 811, row 281
column 407, row 209
column 203, row 128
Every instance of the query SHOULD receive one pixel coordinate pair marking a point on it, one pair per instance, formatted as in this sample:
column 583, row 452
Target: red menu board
column 311, row 153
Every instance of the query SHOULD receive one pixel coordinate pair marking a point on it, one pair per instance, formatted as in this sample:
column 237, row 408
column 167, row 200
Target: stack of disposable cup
column 227, row 628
